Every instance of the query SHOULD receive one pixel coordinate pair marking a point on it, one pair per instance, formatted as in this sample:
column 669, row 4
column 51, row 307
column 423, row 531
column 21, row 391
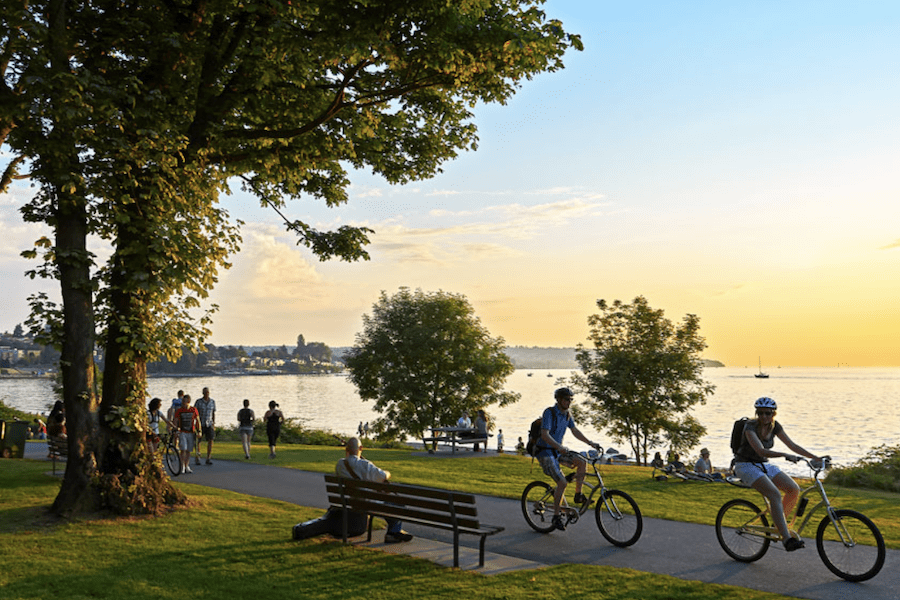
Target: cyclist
column 751, row 465
column 551, row 453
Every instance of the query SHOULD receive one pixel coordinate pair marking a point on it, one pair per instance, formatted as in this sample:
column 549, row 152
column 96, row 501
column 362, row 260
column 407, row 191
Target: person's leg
column 580, row 471
column 791, row 491
column 767, row 488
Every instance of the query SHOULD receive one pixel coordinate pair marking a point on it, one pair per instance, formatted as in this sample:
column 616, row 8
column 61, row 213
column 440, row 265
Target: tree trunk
column 76, row 361
column 131, row 480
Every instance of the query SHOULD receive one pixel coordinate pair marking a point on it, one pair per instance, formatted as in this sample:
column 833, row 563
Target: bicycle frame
column 591, row 459
column 802, row 510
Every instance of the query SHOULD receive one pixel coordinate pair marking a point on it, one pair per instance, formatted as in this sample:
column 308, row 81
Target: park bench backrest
column 407, row 502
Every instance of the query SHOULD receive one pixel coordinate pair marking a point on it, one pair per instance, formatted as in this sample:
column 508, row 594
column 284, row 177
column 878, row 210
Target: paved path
column 683, row 550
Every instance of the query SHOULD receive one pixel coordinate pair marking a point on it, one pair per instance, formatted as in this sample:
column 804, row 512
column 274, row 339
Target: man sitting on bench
column 355, row 466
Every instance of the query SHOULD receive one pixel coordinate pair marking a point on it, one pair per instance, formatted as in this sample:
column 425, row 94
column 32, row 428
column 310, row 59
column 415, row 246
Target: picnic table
column 454, row 435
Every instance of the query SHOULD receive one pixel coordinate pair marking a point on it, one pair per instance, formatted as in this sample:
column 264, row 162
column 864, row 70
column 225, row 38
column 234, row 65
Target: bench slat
column 466, row 510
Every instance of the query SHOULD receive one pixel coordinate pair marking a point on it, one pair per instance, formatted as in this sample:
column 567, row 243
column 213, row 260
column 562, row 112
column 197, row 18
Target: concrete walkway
column 682, row 550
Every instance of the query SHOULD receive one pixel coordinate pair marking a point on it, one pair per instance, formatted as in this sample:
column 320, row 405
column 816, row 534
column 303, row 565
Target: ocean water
column 839, row 411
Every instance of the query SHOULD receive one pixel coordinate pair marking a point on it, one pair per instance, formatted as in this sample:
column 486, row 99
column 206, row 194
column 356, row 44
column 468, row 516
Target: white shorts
column 749, row 472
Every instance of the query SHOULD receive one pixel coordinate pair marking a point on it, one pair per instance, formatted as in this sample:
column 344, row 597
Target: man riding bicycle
column 550, row 452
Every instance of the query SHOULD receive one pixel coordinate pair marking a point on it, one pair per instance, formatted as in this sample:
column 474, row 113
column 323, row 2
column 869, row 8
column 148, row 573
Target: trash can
column 12, row 438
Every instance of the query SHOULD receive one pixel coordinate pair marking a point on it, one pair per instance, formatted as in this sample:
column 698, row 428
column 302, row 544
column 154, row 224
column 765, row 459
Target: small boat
column 530, row 374
column 761, row 375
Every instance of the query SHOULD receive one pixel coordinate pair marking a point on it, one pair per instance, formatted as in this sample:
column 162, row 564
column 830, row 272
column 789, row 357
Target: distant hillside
column 536, row 357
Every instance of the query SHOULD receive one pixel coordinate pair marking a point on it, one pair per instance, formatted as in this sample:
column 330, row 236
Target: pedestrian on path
column 188, row 421
column 246, row 418
column 273, row 418
column 206, row 406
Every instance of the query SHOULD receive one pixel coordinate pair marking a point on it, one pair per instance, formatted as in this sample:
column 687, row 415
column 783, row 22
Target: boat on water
column 761, row 375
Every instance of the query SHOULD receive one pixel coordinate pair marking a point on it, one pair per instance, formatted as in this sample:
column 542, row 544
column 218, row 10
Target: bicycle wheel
column 537, row 506
column 736, row 540
column 173, row 460
column 857, row 552
column 619, row 518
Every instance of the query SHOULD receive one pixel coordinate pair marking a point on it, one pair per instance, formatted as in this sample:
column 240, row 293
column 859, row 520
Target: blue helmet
column 765, row 402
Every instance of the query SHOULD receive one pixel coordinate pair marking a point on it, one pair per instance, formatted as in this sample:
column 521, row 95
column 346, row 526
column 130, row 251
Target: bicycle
column 848, row 542
column 617, row 514
column 170, row 455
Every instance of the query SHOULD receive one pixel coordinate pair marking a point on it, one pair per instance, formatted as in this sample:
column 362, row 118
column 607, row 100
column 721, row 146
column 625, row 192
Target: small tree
column 643, row 374
column 425, row 359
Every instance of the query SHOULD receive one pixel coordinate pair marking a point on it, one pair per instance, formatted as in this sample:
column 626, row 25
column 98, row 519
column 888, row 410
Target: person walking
column 246, row 418
column 751, row 465
column 551, row 452
column 154, row 416
column 187, row 419
column 353, row 465
column 273, row 418
column 206, row 406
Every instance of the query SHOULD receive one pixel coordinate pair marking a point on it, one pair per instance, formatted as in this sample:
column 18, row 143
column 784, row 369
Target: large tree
column 425, row 358
column 133, row 116
column 643, row 375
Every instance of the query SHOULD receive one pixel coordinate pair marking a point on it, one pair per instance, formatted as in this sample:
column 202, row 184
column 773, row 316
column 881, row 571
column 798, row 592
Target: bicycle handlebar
column 816, row 466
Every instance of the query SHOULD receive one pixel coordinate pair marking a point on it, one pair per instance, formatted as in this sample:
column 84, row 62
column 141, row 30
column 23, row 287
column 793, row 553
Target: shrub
column 879, row 469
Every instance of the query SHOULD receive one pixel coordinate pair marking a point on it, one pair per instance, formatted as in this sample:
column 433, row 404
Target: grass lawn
column 505, row 475
column 227, row 545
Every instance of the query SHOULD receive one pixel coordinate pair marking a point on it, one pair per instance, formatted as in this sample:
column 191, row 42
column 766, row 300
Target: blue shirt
column 555, row 422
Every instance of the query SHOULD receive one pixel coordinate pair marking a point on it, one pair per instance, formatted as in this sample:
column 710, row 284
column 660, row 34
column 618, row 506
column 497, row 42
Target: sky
column 738, row 161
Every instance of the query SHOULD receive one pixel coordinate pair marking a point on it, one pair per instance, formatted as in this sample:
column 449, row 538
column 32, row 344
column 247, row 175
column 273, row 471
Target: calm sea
column 839, row 411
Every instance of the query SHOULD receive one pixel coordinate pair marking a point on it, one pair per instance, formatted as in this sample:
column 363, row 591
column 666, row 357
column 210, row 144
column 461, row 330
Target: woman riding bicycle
column 751, row 465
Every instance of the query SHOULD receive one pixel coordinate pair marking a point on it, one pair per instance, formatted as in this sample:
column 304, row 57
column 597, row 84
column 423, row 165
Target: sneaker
column 187, row 470
column 792, row 544
column 558, row 522
column 209, row 462
column 247, row 456
column 580, row 498
column 196, row 460
column 397, row 537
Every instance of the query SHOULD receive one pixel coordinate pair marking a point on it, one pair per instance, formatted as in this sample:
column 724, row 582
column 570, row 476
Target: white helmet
column 765, row 402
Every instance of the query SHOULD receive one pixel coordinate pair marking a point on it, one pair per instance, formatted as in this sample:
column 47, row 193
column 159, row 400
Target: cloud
column 464, row 237
column 270, row 269
column 891, row 246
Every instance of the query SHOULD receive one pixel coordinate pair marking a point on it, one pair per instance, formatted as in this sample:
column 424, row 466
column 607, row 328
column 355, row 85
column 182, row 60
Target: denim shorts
column 186, row 441
column 749, row 472
column 550, row 464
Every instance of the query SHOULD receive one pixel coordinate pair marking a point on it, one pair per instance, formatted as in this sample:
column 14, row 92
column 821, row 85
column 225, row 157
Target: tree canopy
column 425, row 358
column 643, row 375
column 132, row 117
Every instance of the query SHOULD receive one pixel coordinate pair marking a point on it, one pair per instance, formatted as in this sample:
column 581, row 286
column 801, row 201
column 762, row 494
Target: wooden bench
column 441, row 509
column 57, row 447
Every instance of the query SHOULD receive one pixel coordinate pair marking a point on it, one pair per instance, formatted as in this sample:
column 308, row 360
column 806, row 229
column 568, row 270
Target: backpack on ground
column 737, row 434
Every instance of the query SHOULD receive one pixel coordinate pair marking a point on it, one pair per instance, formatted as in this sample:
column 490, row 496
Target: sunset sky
column 737, row 161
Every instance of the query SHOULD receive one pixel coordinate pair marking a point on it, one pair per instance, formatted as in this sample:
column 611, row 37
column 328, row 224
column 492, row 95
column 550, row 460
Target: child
column 500, row 441
column 520, row 447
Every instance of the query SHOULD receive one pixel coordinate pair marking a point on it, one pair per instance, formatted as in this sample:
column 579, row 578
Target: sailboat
column 761, row 375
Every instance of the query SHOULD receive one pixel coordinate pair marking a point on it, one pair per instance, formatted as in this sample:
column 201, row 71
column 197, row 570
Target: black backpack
column 534, row 434
column 737, row 434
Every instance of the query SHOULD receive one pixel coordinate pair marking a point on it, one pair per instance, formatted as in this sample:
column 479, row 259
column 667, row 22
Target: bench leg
column 481, row 551
column 456, row 549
